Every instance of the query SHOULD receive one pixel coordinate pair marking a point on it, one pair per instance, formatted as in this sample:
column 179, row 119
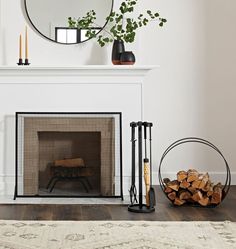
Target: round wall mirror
column 50, row 18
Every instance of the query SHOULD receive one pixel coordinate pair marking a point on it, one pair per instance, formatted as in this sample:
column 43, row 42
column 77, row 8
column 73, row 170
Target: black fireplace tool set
column 144, row 169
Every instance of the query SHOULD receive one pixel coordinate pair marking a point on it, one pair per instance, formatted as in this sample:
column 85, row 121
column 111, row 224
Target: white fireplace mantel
column 81, row 74
column 68, row 89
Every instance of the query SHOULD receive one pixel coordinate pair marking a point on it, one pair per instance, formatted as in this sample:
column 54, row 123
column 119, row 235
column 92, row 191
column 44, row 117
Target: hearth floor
column 57, row 191
column 54, row 200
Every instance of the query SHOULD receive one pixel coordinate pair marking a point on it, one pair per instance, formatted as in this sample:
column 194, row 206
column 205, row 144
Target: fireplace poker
column 140, row 163
column 133, row 190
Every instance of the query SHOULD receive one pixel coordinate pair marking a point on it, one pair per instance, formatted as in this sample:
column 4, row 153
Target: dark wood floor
column 164, row 211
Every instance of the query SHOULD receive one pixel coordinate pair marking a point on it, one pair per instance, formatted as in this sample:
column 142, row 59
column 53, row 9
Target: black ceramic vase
column 127, row 58
column 117, row 49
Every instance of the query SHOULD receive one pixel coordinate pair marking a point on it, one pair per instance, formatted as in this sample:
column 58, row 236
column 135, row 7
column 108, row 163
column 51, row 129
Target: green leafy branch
column 118, row 27
column 85, row 22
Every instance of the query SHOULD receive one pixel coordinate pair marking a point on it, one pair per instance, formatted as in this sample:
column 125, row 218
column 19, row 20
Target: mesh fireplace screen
column 68, row 154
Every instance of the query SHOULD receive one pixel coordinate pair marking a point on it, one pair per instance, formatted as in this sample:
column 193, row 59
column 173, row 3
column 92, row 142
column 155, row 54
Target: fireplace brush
column 150, row 192
column 152, row 196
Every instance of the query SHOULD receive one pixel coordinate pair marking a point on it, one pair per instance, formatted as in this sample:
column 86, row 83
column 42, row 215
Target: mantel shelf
column 71, row 74
column 82, row 67
column 95, row 69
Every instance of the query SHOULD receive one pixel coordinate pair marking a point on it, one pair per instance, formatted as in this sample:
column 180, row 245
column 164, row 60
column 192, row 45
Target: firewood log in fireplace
column 193, row 187
column 71, row 167
column 74, row 162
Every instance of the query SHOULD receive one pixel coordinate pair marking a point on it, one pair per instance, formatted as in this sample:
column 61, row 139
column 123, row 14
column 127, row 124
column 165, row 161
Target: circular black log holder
column 179, row 142
column 137, row 205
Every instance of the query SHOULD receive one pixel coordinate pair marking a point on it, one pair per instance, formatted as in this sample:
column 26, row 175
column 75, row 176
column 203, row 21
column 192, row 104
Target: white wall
column 192, row 94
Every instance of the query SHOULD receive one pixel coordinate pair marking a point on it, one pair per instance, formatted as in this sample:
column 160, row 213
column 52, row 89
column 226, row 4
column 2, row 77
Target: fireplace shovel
column 152, row 195
column 150, row 192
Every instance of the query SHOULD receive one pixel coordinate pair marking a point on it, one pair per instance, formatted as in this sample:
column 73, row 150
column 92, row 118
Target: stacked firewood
column 193, row 187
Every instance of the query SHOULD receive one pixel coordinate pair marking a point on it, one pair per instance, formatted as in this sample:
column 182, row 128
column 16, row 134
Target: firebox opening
column 59, row 148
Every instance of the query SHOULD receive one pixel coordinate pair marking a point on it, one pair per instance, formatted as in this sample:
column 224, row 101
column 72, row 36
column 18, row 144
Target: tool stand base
column 144, row 209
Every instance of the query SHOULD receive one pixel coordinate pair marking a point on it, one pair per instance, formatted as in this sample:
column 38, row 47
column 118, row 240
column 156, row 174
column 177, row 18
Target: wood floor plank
column 95, row 212
column 9, row 212
column 32, row 212
column 165, row 211
column 67, row 212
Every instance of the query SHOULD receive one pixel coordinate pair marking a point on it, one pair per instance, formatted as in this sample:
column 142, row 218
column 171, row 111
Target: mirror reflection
column 50, row 17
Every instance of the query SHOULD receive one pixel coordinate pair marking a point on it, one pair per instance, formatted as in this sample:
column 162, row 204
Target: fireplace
column 68, row 154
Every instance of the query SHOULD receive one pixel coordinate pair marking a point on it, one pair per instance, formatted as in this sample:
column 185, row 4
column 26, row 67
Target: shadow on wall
column 25, row 15
column 98, row 56
column 220, row 89
column 2, row 158
column 3, row 48
column 2, row 40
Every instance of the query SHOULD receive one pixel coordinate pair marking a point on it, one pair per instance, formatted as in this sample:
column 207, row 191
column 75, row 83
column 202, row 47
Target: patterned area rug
column 116, row 235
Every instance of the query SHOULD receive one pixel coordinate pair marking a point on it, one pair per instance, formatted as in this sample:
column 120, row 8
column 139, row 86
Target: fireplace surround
column 42, row 138
column 87, row 88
